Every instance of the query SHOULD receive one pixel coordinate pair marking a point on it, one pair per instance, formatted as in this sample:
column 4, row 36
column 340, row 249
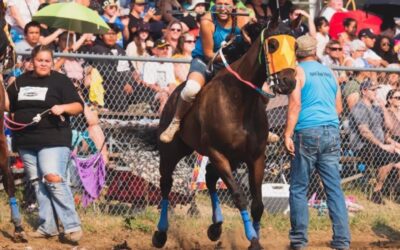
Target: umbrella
column 364, row 21
column 71, row 16
column 384, row 8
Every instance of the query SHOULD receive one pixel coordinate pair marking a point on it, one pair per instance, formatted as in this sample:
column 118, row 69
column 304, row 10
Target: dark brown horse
column 8, row 179
column 228, row 123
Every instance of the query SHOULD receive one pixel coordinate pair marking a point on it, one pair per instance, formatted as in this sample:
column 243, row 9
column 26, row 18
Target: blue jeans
column 54, row 198
column 317, row 148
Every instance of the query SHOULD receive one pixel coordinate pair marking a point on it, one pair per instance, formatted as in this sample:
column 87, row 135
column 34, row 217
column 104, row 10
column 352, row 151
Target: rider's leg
column 193, row 86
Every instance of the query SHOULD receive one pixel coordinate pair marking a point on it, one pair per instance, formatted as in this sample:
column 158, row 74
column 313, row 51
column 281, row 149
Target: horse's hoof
column 214, row 231
column 255, row 245
column 20, row 237
column 159, row 239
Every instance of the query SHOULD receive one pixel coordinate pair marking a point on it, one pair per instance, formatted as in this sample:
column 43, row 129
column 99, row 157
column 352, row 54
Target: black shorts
column 376, row 157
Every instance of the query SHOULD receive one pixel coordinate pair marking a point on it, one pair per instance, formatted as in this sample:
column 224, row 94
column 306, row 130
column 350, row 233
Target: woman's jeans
column 317, row 148
column 54, row 198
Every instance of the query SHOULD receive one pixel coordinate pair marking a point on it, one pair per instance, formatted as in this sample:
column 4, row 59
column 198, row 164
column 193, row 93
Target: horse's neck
column 249, row 67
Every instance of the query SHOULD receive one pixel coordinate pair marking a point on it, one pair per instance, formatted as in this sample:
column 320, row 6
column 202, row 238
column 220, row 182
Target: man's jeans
column 318, row 148
column 54, row 198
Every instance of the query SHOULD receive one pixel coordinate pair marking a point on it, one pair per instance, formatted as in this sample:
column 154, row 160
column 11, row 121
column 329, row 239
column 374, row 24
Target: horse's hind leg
column 256, row 175
column 9, row 186
column 215, row 229
column 170, row 155
column 224, row 169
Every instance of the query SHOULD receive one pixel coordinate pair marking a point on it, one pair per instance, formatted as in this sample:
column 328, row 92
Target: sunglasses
column 335, row 49
column 177, row 30
column 190, row 41
column 396, row 97
column 385, row 44
column 112, row 7
column 224, row 6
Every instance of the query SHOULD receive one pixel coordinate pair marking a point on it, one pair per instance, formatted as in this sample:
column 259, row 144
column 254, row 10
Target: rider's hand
column 57, row 110
column 289, row 145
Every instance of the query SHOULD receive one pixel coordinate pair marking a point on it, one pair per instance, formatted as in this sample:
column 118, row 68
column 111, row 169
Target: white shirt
column 370, row 54
column 26, row 9
column 159, row 73
column 322, row 41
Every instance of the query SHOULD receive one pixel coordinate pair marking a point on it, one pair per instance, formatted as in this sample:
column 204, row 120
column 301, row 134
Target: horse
column 228, row 123
column 6, row 52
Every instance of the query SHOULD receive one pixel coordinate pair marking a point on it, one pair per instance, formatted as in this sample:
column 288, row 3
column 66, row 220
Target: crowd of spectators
column 170, row 28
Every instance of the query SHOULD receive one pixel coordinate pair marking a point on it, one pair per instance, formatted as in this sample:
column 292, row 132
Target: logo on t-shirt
column 32, row 94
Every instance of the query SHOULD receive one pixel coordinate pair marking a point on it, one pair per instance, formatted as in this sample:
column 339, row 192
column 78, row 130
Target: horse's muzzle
column 286, row 82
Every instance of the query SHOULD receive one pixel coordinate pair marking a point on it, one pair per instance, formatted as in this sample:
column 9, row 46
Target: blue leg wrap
column 256, row 226
column 248, row 226
column 163, row 223
column 216, row 207
column 15, row 215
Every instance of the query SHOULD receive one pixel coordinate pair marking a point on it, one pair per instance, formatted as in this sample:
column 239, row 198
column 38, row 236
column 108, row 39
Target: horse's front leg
column 224, row 169
column 256, row 175
column 9, row 186
column 215, row 229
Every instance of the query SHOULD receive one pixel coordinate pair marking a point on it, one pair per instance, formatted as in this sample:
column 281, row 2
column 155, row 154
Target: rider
column 214, row 30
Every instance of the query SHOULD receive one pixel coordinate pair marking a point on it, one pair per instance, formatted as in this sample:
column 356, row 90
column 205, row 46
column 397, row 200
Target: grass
column 383, row 220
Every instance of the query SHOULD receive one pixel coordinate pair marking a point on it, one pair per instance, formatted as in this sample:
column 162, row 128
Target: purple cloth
column 92, row 172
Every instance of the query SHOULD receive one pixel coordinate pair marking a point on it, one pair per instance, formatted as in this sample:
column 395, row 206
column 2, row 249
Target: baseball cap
column 161, row 43
column 366, row 32
column 107, row 3
column 195, row 3
column 143, row 27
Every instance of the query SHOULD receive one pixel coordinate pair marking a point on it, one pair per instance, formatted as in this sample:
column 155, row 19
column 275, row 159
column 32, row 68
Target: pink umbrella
column 364, row 20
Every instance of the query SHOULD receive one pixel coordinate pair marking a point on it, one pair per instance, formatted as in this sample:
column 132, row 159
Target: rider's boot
column 181, row 109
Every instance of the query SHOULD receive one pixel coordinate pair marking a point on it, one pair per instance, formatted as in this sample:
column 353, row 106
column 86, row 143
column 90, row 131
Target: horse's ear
column 275, row 19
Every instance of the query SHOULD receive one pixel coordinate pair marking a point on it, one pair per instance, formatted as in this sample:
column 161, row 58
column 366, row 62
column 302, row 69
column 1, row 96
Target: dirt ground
column 375, row 228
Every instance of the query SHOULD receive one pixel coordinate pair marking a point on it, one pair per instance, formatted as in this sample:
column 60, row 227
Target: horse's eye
column 273, row 45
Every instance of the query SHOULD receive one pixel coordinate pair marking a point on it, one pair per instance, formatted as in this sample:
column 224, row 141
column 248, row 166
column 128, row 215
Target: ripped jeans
column 47, row 170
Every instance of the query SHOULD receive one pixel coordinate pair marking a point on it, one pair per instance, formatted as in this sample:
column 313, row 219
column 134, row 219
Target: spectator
column 313, row 122
column 349, row 34
column 390, row 82
column 168, row 7
column 295, row 22
column 369, row 38
column 384, row 47
column 45, row 147
column 392, row 116
column 138, row 15
column 322, row 35
column 19, row 13
column 259, row 8
column 356, row 58
column 119, row 84
column 284, row 8
column 172, row 35
column 183, row 51
column 388, row 27
column 333, row 7
column 159, row 76
column 198, row 8
column 31, row 39
column 334, row 57
column 110, row 15
column 138, row 46
column 367, row 135
column 351, row 90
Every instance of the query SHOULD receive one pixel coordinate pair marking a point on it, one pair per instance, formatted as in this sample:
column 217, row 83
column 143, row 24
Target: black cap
column 366, row 32
column 161, row 43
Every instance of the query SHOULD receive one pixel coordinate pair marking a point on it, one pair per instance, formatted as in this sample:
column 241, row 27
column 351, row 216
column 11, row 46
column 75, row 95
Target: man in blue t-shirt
column 110, row 15
column 312, row 138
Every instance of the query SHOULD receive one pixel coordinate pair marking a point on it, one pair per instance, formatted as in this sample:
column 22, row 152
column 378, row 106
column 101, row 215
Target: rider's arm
column 206, row 32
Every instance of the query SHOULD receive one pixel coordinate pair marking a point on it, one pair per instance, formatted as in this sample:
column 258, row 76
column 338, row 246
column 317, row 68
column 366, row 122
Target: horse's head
column 278, row 54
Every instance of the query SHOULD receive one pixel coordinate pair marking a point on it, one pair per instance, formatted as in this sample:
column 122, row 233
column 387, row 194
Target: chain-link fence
column 369, row 125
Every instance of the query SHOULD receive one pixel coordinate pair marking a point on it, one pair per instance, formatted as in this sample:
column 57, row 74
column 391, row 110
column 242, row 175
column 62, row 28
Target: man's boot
column 182, row 108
